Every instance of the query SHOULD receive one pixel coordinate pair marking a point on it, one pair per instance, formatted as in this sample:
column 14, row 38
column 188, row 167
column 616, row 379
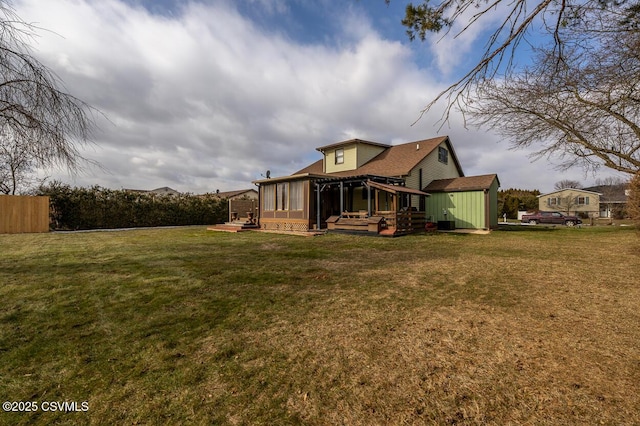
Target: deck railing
column 404, row 222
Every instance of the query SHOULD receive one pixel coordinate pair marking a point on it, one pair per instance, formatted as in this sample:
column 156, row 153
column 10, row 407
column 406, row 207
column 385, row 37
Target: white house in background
column 165, row 191
column 573, row 201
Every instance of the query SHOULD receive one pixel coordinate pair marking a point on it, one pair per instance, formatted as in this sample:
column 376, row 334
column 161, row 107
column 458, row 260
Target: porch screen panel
column 296, row 198
column 282, row 196
column 268, row 197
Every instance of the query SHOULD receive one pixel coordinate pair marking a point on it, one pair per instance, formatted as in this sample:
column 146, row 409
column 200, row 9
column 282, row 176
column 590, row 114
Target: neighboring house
column 573, row 201
column 164, row 191
column 251, row 194
column 613, row 199
column 374, row 187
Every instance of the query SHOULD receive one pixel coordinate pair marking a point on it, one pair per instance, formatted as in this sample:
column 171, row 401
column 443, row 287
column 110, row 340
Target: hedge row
column 102, row 208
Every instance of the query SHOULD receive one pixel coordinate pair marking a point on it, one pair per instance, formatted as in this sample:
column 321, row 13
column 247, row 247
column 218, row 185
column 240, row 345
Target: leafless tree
column 568, row 202
column 567, row 183
column 16, row 164
column 612, row 181
column 549, row 23
column 584, row 110
column 40, row 124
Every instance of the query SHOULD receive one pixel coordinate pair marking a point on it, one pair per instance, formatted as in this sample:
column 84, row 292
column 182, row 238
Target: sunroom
column 364, row 203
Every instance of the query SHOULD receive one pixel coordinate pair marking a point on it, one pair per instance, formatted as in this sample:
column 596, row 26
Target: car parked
column 557, row 218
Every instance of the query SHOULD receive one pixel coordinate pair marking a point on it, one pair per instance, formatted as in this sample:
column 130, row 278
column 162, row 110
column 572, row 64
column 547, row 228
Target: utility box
column 446, row 225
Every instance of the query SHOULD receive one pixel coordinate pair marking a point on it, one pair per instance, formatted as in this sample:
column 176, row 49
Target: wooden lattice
column 285, row 226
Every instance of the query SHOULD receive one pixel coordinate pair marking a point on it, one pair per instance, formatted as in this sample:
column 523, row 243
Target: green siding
column 366, row 153
column 466, row 208
column 431, row 169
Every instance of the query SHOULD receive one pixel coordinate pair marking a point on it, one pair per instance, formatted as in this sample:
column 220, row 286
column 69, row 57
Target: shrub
column 102, row 208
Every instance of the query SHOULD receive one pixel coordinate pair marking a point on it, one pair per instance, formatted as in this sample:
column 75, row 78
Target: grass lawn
column 185, row 326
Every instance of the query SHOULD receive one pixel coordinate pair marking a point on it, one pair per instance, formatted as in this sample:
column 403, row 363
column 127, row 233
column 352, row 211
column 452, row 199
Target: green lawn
column 186, row 326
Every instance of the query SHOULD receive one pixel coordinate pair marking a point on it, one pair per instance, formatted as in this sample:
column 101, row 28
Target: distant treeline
column 102, row 208
column 510, row 201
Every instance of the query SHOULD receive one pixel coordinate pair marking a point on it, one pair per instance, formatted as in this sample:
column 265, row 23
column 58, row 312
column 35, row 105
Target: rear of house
column 378, row 188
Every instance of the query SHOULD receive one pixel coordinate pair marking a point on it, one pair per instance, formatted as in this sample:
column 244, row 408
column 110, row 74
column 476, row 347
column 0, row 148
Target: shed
column 470, row 202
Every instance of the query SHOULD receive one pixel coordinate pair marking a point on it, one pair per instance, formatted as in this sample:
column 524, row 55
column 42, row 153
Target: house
column 367, row 186
column 165, row 191
column 613, row 199
column 250, row 194
column 573, row 201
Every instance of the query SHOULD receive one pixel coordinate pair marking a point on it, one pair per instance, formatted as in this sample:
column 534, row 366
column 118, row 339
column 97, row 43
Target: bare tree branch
column 44, row 123
column 584, row 110
column 519, row 22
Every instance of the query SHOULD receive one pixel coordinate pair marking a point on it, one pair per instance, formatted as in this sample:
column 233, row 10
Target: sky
column 208, row 95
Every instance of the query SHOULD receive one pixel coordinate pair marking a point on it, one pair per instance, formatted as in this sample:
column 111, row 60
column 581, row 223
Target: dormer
column 349, row 155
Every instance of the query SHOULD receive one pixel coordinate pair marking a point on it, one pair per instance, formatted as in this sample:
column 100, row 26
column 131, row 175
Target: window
column 583, row 201
column 268, row 197
column 282, row 196
column 443, row 155
column 552, row 201
column 339, row 156
column 296, row 198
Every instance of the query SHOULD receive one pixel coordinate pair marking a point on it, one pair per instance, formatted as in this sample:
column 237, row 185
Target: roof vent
column 417, row 147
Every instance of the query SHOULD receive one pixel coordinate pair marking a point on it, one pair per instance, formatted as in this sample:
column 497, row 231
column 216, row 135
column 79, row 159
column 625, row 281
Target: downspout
column 259, row 205
column 318, row 205
column 341, row 197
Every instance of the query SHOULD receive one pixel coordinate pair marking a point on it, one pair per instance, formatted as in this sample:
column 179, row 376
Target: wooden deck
column 234, row 226
column 386, row 223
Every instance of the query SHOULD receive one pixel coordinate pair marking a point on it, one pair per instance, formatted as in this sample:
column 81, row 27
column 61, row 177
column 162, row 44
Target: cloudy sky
column 209, row 94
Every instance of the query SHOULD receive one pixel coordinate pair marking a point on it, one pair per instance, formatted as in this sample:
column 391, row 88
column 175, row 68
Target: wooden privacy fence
column 21, row 214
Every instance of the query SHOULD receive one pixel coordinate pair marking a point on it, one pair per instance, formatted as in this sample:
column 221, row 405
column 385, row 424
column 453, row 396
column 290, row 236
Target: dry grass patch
column 183, row 326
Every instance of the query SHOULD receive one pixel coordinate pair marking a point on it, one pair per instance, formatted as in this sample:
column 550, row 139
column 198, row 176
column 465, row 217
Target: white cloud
column 207, row 100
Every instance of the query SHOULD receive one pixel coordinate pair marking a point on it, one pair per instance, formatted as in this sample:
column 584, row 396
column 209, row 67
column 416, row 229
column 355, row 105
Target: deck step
column 231, row 228
column 388, row 231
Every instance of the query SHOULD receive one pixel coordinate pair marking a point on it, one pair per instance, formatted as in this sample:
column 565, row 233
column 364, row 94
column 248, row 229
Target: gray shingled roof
column 395, row 160
column 611, row 193
column 470, row 183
